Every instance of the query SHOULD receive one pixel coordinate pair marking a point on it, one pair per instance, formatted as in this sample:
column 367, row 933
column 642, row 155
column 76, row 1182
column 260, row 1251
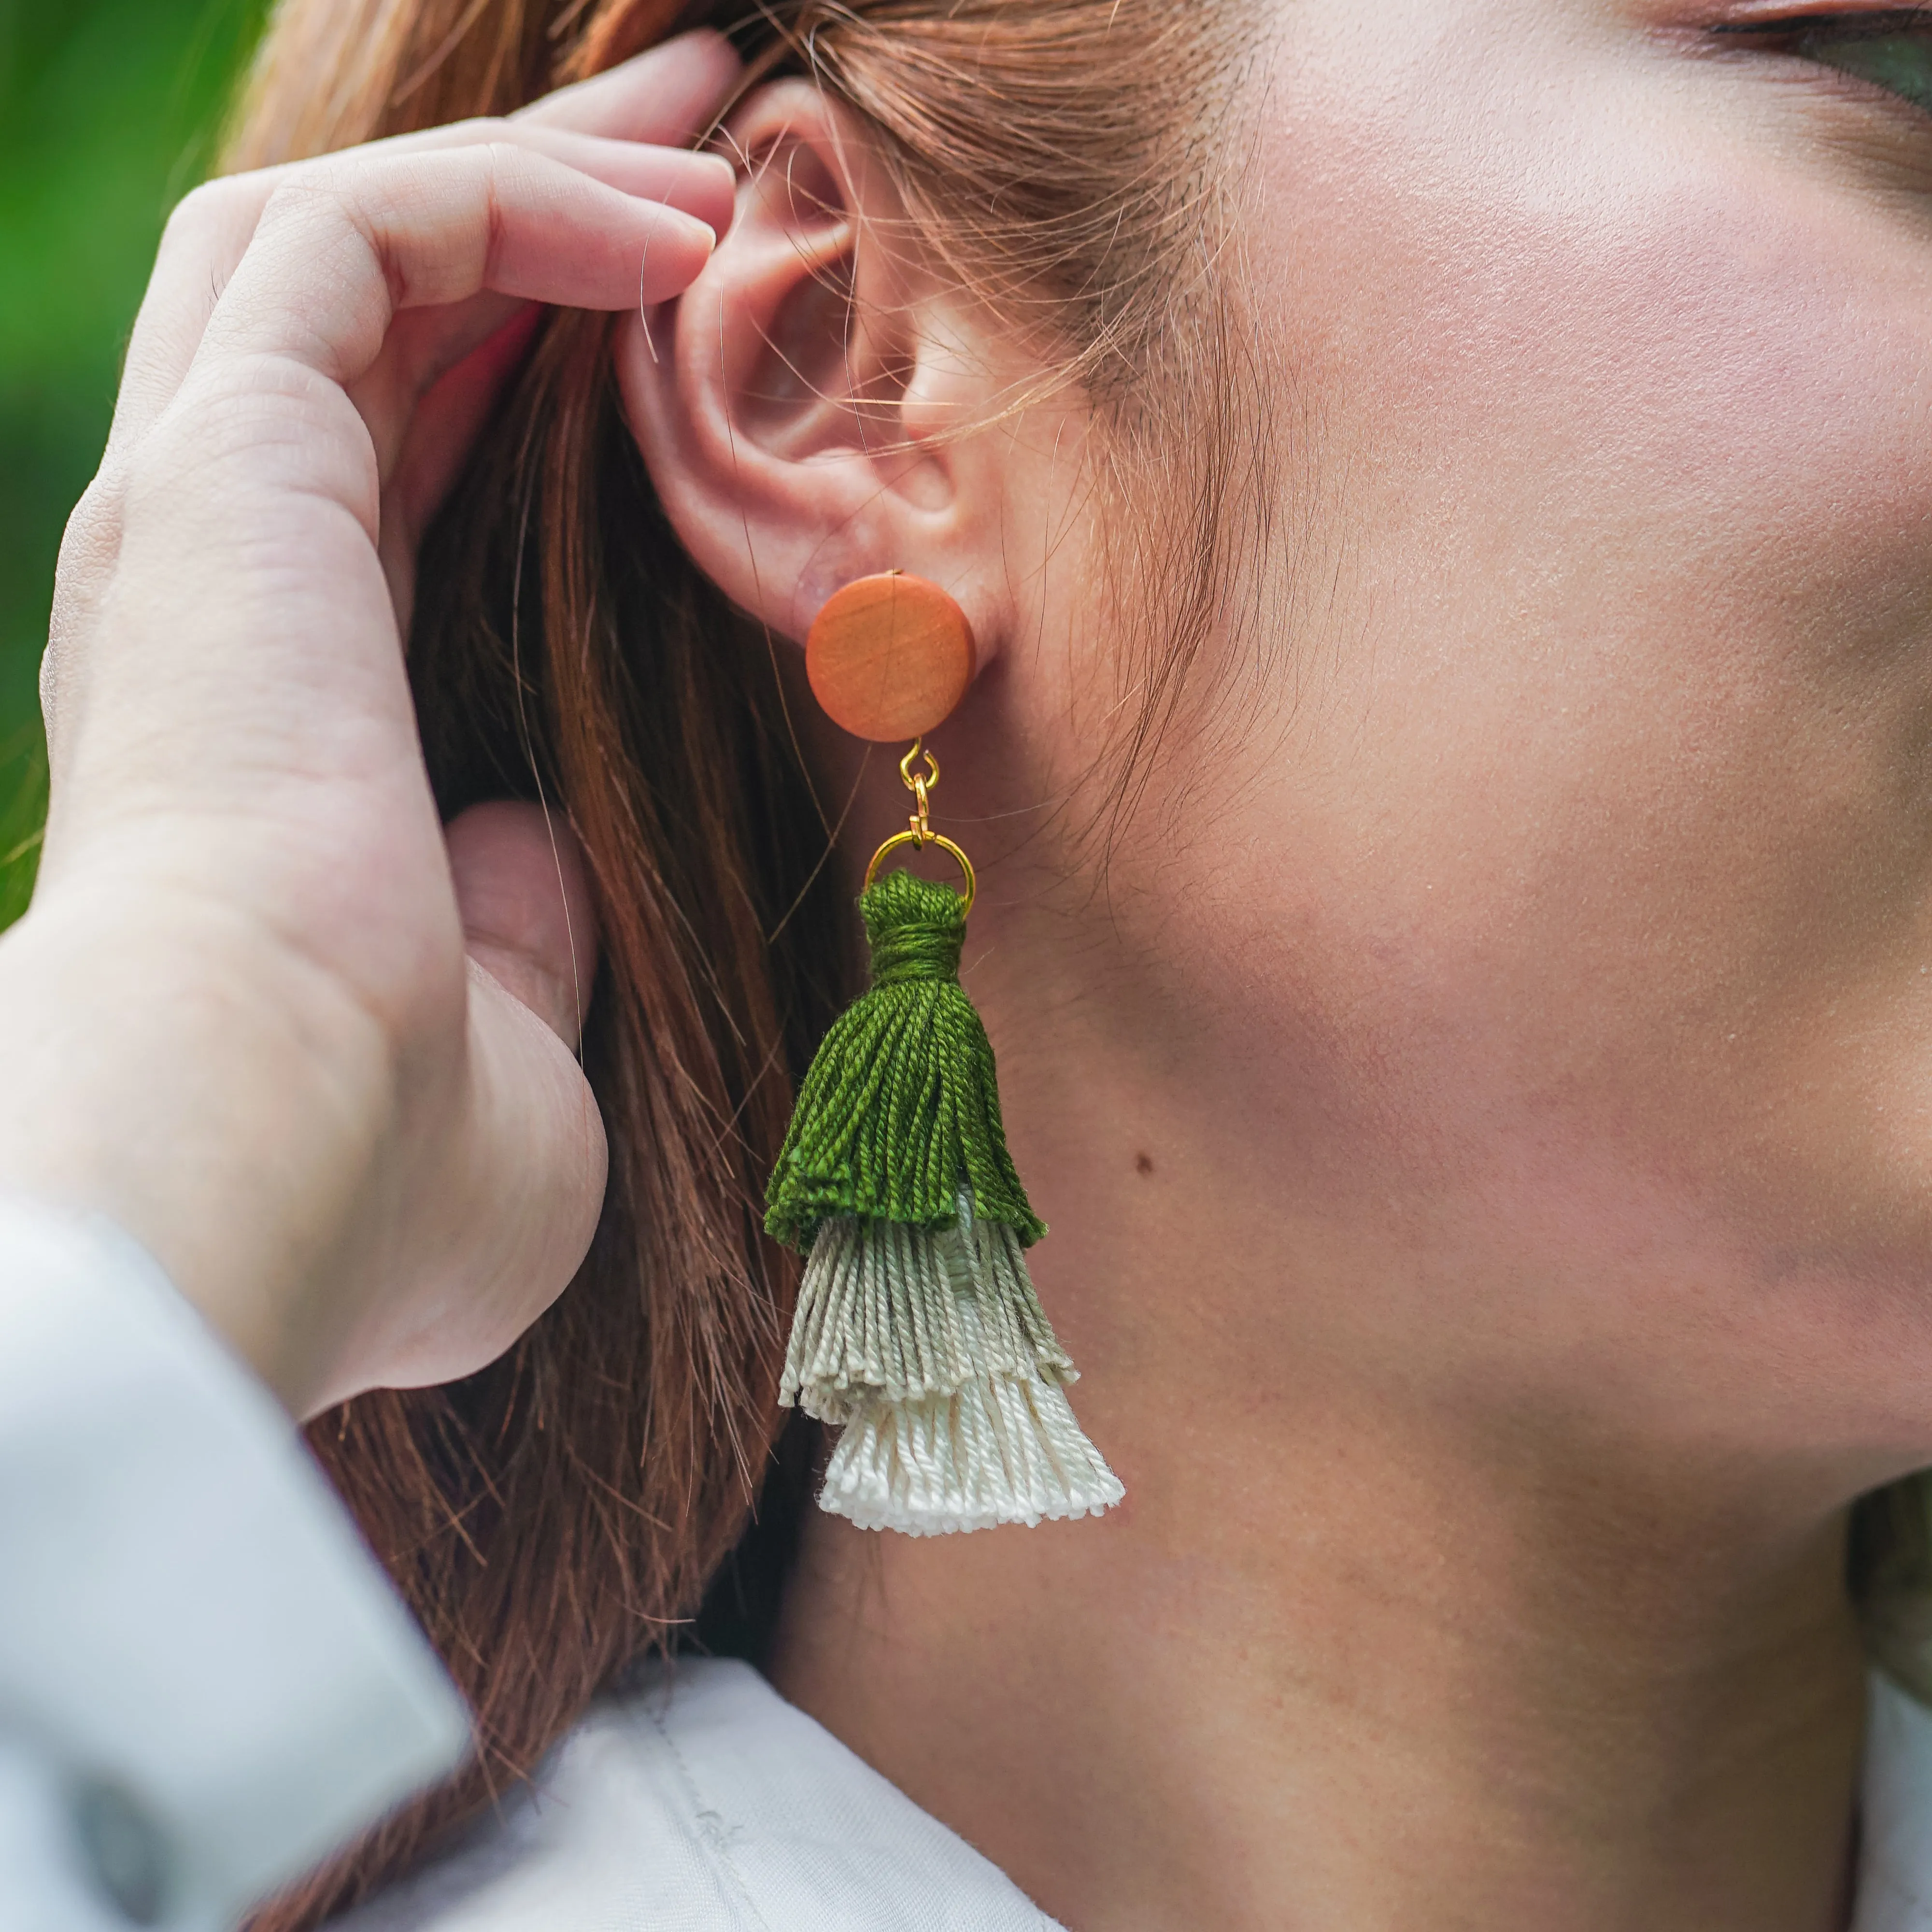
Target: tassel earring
column 917, row 1332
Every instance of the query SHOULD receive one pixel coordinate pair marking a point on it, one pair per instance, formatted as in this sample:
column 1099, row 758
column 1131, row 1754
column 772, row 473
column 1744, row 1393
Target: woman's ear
column 798, row 406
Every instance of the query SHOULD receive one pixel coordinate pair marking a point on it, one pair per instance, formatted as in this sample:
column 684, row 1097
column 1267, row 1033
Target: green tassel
column 901, row 1101
column 917, row 1332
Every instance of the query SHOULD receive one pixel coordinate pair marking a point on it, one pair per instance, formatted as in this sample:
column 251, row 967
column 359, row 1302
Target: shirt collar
column 1895, row 1891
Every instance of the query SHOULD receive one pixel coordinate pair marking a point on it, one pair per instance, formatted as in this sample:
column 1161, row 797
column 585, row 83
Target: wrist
column 215, row 1097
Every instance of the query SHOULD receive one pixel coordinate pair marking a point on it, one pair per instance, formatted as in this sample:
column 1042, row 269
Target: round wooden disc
column 889, row 657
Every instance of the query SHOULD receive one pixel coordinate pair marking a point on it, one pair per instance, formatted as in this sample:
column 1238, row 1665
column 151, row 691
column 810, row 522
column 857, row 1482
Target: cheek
column 1602, row 820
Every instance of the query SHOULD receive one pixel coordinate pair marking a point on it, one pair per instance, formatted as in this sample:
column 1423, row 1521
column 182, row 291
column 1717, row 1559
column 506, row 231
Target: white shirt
column 705, row 1803
column 1894, row 1892
column 205, row 1682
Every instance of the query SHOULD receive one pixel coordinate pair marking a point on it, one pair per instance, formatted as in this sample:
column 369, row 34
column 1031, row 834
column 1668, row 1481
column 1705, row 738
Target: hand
column 240, row 1017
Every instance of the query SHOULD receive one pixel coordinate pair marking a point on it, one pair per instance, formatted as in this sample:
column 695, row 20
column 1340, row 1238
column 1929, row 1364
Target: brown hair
column 556, row 1517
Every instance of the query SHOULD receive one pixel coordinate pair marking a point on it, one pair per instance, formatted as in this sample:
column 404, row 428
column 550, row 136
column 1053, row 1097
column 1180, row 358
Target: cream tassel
column 929, row 1347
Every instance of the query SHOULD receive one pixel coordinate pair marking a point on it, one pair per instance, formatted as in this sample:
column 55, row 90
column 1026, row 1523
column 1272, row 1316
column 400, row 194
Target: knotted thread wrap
column 905, row 953
column 901, row 1101
column 917, row 1330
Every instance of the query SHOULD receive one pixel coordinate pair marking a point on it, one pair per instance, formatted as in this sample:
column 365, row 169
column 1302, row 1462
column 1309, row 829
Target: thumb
column 508, row 1226
column 526, row 906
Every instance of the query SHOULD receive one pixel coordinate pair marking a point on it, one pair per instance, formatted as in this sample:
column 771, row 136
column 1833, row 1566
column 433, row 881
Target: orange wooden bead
column 889, row 657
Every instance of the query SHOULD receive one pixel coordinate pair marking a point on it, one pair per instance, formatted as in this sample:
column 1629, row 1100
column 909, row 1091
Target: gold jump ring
column 938, row 838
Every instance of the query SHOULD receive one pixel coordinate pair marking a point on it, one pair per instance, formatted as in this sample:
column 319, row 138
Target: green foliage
column 108, row 110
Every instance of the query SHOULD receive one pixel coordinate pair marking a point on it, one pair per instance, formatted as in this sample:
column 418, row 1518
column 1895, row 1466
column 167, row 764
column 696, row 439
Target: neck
column 1356, row 1652
column 1320, row 1671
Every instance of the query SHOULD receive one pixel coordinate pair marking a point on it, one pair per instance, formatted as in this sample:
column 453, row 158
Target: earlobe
column 771, row 401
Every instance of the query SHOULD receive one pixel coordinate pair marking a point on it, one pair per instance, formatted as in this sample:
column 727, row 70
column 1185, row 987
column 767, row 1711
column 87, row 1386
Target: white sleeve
column 206, row 1683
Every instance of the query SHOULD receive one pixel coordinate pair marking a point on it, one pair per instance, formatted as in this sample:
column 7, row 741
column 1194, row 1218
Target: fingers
column 425, row 344
column 669, row 95
column 662, row 98
column 525, row 902
column 516, row 1219
column 210, row 231
column 526, row 1180
column 446, row 420
column 256, row 494
column 480, row 210
column 531, row 1165
column 335, row 258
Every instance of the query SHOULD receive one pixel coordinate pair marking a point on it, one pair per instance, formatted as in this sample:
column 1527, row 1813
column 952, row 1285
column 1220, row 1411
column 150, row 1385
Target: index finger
column 669, row 95
column 336, row 258
column 662, row 98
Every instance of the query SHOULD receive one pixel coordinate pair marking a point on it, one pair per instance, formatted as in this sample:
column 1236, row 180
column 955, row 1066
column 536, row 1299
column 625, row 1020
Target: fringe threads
column 918, row 1332
column 930, row 1349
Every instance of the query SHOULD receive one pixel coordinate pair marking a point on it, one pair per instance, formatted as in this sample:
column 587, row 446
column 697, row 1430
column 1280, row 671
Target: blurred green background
column 109, row 111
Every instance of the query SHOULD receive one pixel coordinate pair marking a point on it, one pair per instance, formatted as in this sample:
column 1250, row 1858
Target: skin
column 261, row 1013
column 1481, row 1111
column 1483, row 1115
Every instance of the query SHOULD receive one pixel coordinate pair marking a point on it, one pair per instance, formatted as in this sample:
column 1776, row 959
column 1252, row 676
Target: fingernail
column 688, row 228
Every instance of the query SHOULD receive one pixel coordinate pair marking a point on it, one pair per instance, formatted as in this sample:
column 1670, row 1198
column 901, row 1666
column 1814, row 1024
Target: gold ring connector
column 919, row 828
column 944, row 843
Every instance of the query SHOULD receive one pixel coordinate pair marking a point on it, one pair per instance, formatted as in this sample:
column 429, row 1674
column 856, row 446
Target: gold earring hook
column 919, row 831
column 920, row 784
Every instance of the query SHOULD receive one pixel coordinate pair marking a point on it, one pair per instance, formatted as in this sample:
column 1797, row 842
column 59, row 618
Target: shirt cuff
column 194, row 1638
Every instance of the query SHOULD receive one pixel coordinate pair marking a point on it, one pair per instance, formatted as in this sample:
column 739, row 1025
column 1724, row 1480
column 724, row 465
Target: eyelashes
column 1886, row 47
column 1855, row 23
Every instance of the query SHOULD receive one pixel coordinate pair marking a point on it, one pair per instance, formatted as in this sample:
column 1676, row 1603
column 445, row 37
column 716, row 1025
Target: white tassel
column 931, row 1349
column 999, row 1450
